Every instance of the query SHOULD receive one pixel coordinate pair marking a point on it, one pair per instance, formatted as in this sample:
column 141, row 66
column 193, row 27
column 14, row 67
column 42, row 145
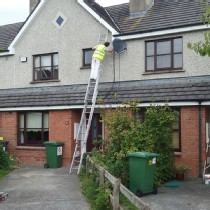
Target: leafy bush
column 6, row 161
column 127, row 135
column 97, row 196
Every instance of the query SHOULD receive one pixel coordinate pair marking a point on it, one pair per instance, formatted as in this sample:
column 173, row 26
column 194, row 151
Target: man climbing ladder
column 89, row 105
column 98, row 57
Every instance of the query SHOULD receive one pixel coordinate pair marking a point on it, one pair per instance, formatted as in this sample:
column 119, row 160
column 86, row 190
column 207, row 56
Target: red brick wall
column 190, row 139
column 61, row 128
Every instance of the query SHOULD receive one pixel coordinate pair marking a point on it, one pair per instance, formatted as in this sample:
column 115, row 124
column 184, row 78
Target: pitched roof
column 8, row 33
column 102, row 12
column 189, row 89
column 165, row 14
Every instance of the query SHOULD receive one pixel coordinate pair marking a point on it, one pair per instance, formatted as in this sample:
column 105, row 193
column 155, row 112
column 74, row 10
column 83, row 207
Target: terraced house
column 45, row 67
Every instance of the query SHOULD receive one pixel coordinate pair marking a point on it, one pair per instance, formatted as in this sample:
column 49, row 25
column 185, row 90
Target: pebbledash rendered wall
column 61, row 125
column 79, row 32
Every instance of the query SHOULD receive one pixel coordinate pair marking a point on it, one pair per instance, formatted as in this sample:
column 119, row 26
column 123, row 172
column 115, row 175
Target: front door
column 95, row 132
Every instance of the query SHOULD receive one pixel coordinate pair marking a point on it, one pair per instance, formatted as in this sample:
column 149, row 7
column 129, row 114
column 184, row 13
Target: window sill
column 163, row 72
column 85, row 67
column 30, row 148
column 45, row 81
column 177, row 154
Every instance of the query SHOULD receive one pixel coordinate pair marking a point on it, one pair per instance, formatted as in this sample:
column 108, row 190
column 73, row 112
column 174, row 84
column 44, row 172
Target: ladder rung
column 75, row 168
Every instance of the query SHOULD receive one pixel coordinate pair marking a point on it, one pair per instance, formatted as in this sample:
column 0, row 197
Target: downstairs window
column 33, row 128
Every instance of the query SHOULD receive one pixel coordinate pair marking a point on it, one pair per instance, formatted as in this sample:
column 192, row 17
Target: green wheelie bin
column 141, row 173
column 54, row 152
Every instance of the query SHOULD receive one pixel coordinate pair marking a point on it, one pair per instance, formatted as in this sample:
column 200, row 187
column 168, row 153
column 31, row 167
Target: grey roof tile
column 159, row 90
column 8, row 33
column 163, row 15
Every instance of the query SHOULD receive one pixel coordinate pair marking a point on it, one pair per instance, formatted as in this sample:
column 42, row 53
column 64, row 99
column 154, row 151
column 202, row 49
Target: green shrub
column 7, row 161
column 127, row 135
column 98, row 197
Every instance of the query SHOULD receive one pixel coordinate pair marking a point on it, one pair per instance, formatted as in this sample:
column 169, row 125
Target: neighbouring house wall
column 189, row 154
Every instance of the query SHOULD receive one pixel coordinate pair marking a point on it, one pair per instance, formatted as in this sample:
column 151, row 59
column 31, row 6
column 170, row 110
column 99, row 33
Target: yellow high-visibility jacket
column 100, row 52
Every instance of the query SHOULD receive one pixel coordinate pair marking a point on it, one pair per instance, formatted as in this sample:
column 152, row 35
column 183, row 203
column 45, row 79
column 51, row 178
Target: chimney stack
column 33, row 4
column 138, row 8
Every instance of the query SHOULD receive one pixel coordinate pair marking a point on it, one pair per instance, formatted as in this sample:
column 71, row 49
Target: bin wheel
column 155, row 191
column 46, row 165
column 139, row 193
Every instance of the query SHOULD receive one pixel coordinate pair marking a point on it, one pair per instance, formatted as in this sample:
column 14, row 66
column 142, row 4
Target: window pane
column 46, row 60
column 164, row 61
column 46, row 135
column 34, row 136
column 164, row 47
column 178, row 61
column 150, row 48
column 175, row 137
column 34, row 120
column 55, row 60
column 37, row 62
column 37, row 74
column 21, row 121
column 46, row 123
column 46, row 72
column 21, row 137
column 88, row 56
column 178, row 45
column 150, row 63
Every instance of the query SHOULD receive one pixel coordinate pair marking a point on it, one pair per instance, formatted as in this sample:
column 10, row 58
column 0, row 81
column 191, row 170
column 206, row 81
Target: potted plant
column 180, row 172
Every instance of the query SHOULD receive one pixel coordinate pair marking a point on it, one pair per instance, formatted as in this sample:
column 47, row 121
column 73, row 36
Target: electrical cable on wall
column 119, row 47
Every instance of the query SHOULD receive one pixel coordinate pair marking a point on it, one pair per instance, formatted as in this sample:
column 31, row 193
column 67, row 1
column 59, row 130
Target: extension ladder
column 207, row 161
column 85, row 123
column 102, row 37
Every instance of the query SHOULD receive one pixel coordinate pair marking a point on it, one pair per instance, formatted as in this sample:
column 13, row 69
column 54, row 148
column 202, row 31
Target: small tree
column 203, row 47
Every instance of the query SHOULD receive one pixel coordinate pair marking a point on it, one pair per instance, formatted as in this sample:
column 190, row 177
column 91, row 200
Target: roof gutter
column 11, row 48
column 95, row 15
column 161, row 33
column 39, row 108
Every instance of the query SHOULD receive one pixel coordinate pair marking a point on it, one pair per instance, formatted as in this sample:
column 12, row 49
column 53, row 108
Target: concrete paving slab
column 193, row 194
column 34, row 188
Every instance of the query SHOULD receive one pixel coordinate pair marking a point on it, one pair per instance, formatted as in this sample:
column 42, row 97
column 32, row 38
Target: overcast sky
column 14, row 11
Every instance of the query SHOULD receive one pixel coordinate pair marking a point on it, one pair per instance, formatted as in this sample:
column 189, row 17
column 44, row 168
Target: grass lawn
column 4, row 172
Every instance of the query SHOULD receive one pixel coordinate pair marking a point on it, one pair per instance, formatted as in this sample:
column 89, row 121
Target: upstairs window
column 164, row 54
column 45, row 67
column 87, row 57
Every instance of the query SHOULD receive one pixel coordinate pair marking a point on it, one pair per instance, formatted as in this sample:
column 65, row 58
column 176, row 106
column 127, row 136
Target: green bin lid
column 143, row 154
column 54, row 143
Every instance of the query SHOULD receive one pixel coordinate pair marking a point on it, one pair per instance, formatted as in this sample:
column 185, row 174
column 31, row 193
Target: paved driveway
column 33, row 188
column 193, row 194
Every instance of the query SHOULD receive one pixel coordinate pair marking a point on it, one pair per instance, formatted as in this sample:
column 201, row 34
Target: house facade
column 45, row 67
